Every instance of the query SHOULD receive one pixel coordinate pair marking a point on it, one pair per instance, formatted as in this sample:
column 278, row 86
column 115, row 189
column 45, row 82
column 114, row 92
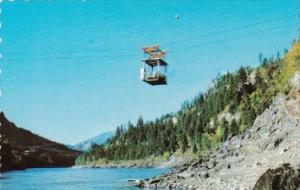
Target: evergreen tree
column 234, row 129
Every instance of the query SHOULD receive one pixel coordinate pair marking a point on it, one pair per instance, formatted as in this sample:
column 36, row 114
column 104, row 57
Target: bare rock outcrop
column 295, row 81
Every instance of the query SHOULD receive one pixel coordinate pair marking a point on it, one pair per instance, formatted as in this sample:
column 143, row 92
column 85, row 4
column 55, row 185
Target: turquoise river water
column 74, row 178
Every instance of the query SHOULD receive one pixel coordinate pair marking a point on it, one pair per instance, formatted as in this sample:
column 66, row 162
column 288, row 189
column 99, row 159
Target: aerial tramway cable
column 111, row 56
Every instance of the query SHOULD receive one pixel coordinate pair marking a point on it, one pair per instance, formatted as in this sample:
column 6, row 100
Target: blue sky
column 70, row 69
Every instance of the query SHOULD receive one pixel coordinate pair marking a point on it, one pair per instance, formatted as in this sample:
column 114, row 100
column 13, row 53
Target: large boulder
column 295, row 82
column 281, row 178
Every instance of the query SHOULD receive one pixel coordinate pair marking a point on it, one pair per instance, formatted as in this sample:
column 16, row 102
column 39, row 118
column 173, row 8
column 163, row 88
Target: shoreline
column 177, row 159
column 120, row 164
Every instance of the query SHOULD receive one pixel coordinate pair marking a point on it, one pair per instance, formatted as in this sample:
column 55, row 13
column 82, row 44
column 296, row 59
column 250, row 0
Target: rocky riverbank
column 176, row 159
column 123, row 164
column 265, row 157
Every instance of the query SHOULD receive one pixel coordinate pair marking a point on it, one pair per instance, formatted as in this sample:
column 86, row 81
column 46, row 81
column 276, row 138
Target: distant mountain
column 21, row 149
column 99, row 139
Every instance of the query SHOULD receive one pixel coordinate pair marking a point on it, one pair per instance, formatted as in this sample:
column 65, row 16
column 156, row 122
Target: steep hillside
column 272, row 142
column 98, row 140
column 22, row 149
column 228, row 108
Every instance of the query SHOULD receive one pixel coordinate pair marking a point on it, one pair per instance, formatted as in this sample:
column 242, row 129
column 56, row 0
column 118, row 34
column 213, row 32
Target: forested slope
column 21, row 149
column 229, row 107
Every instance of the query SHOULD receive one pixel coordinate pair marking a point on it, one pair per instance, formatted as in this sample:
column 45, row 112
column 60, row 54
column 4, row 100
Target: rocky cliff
column 21, row 149
column 267, row 156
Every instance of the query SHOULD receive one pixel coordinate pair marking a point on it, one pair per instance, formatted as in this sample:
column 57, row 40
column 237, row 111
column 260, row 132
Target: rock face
column 21, row 149
column 281, row 178
column 252, row 160
column 295, row 81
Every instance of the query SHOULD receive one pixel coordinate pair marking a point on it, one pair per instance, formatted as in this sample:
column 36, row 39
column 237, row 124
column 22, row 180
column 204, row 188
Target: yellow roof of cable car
column 154, row 51
column 151, row 49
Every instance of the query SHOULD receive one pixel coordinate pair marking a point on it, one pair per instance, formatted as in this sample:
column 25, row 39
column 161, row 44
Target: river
column 74, row 178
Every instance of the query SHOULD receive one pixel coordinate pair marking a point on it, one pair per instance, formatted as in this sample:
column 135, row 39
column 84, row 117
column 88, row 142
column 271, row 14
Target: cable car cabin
column 154, row 70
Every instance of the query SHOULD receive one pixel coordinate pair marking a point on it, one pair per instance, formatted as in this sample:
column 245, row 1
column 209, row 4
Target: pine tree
column 234, row 129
